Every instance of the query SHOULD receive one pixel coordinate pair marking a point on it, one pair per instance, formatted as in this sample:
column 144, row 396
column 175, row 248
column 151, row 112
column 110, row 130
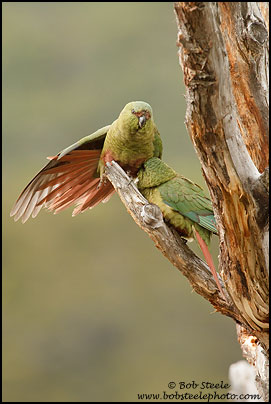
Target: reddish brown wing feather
column 70, row 180
column 102, row 194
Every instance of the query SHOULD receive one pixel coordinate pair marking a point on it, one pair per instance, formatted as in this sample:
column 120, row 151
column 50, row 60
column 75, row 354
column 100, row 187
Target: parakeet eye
column 133, row 111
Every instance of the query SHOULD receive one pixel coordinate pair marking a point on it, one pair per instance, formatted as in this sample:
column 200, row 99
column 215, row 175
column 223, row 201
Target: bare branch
column 167, row 240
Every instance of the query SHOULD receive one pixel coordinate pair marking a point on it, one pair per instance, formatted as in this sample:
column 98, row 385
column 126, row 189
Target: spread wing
column 188, row 198
column 69, row 178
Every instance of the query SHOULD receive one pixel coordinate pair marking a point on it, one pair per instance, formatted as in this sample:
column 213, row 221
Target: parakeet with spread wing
column 183, row 204
column 76, row 175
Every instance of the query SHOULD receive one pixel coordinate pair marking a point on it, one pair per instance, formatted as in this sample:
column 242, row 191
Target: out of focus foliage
column 92, row 310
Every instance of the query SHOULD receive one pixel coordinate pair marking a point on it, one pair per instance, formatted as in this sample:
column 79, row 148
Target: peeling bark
column 246, row 42
column 223, row 51
column 256, row 357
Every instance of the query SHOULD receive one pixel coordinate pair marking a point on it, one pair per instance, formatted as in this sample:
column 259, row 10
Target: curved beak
column 142, row 120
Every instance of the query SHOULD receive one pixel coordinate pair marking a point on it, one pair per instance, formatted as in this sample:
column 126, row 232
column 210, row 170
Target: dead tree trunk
column 223, row 51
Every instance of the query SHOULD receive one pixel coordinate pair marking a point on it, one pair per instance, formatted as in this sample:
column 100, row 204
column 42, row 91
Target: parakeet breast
column 127, row 147
column 129, row 165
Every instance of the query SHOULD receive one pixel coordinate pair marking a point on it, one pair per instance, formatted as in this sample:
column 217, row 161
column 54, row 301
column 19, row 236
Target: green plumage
column 124, row 140
column 128, row 143
column 182, row 202
column 72, row 176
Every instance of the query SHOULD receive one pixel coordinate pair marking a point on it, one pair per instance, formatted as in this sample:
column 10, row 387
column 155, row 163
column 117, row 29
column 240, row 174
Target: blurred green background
column 92, row 310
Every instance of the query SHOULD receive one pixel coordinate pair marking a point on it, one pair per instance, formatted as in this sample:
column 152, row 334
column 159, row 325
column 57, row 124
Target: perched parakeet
column 183, row 204
column 75, row 175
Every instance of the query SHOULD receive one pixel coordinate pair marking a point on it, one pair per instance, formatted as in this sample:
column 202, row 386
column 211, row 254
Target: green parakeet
column 183, row 204
column 75, row 175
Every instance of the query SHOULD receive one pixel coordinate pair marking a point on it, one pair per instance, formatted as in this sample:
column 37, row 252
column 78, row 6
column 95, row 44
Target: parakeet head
column 138, row 116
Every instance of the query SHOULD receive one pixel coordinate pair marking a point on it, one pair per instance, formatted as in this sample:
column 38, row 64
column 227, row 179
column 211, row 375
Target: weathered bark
column 256, row 357
column 223, row 50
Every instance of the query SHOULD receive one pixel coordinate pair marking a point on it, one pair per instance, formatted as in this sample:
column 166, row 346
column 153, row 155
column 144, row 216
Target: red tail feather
column 209, row 260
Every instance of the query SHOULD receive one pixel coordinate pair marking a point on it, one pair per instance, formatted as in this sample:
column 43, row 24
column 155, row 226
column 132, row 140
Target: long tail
column 209, row 260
